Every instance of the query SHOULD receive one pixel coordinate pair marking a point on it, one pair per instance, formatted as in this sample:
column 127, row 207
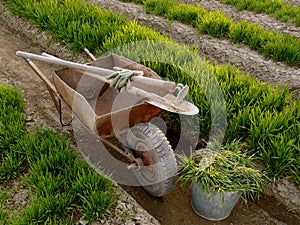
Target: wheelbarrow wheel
column 159, row 173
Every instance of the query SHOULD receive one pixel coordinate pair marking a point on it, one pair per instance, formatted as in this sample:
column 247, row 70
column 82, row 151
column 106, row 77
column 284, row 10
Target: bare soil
column 215, row 50
column 264, row 20
column 276, row 205
column 293, row 2
column 176, row 209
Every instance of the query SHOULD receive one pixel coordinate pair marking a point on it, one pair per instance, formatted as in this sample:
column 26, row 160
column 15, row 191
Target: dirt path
column 176, row 209
column 173, row 209
column 14, row 71
column 216, row 50
column 264, row 20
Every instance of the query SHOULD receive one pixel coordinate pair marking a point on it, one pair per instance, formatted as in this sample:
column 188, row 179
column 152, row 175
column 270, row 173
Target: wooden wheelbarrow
column 105, row 111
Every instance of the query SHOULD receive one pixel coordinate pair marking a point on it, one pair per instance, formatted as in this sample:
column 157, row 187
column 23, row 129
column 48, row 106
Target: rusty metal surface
column 51, row 88
column 121, row 151
column 126, row 118
column 101, row 108
column 100, row 113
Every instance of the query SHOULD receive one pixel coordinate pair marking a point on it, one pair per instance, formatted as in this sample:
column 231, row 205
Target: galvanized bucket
column 213, row 205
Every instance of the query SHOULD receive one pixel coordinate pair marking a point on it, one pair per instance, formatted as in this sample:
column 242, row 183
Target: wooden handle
column 168, row 85
column 90, row 70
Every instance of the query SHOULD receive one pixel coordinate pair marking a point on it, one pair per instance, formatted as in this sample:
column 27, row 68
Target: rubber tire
column 162, row 155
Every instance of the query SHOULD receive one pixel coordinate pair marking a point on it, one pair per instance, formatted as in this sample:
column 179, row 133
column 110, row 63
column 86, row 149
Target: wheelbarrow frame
column 142, row 108
column 101, row 125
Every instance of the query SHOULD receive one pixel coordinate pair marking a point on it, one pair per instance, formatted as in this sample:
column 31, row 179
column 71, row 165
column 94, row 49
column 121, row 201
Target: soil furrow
column 264, row 20
column 293, row 2
column 216, row 50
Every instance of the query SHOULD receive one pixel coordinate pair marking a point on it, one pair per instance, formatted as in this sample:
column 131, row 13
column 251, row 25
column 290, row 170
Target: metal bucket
column 213, row 206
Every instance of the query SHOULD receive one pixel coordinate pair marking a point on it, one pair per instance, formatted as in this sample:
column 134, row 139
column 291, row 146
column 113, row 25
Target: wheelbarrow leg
column 51, row 89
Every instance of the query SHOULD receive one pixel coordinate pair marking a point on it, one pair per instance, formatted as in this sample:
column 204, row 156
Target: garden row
column 279, row 47
column 61, row 187
column 277, row 8
column 263, row 116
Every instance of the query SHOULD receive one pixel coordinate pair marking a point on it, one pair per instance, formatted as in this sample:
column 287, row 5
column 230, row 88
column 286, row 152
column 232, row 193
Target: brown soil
column 216, row 50
column 176, row 209
column 293, row 2
column 172, row 209
column 264, row 20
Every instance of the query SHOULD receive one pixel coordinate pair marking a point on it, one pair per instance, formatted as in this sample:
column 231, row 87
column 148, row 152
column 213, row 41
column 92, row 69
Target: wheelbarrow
column 89, row 94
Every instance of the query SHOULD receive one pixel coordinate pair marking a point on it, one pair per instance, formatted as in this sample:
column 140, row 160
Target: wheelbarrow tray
column 105, row 112
column 97, row 113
